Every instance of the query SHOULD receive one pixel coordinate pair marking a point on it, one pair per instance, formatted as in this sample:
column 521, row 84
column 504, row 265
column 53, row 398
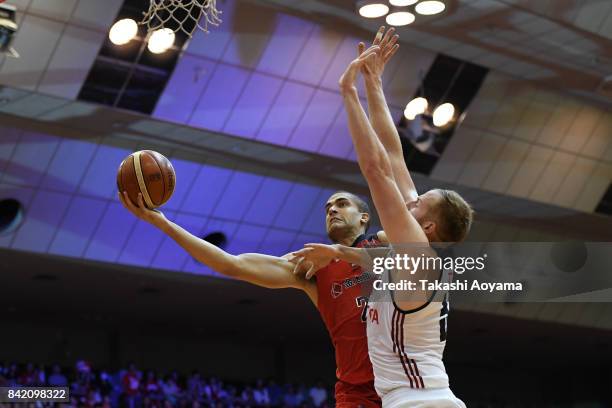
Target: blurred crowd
column 133, row 388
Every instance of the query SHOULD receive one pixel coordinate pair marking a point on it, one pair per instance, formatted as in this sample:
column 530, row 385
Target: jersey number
column 362, row 301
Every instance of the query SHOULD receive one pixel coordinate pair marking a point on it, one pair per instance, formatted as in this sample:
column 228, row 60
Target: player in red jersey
column 337, row 291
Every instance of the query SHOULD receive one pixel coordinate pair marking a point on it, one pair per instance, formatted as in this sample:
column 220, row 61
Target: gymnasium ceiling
column 254, row 126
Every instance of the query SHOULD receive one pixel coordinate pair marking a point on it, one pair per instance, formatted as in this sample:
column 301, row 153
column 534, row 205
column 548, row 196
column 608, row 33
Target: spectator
column 171, row 389
column 292, row 398
column 275, row 392
column 130, row 384
column 195, row 386
column 152, row 388
column 247, row 396
column 57, row 379
column 28, row 376
column 318, row 394
column 261, row 395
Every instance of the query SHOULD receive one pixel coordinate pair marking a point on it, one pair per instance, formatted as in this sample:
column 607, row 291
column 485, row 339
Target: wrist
column 165, row 225
column 373, row 79
column 348, row 90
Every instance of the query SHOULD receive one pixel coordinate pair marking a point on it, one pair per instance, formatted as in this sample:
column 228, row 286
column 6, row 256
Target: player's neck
column 349, row 239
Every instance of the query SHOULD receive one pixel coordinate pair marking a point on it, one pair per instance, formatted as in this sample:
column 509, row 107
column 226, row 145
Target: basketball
column 149, row 173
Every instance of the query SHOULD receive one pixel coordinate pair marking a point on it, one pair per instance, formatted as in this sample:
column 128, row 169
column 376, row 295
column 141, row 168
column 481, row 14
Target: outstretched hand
column 141, row 211
column 347, row 80
column 315, row 256
column 387, row 41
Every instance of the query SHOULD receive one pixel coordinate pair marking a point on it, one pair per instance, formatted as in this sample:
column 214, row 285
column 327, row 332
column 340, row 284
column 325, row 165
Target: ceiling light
column 369, row 9
column 443, row 114
column 429, row 8
column 400, row 18
column 161, row 40
column 415, row 107
column 402, row 3
column 123, row 31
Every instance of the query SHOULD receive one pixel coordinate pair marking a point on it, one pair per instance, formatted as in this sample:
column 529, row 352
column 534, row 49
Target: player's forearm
column 371, row 155
column 258, row 269
column 203, row 251
column 380, row 115
column 385, row 128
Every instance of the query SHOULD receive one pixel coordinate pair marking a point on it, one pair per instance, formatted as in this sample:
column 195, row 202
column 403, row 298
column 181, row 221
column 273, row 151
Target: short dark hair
column 361, row 204
column 455, row 216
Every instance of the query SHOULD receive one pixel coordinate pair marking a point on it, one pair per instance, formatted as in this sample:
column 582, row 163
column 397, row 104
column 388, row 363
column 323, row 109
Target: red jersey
column 342, row 305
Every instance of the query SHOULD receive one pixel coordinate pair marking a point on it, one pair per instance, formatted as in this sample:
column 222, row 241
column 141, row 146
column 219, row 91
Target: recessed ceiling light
column 415, row 107
column 123, row 31
column 443, row 114
column 400, row 18
column 430, row 7
column 161, row 40
column 371, row 9
column 402, row 3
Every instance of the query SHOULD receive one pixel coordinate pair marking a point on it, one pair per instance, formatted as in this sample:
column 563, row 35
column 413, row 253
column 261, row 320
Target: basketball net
column 183, row 15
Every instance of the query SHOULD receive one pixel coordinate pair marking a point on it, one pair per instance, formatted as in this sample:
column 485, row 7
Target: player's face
column 421, row 208
column 341, row 216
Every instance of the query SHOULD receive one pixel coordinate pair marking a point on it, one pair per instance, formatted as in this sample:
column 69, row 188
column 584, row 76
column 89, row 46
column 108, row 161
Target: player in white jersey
column 406, row 337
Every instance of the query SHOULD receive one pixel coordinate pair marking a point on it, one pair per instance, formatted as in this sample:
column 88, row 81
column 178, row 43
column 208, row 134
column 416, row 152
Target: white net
column 183, row 15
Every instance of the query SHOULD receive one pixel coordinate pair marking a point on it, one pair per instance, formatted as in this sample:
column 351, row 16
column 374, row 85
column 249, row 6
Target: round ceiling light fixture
column 430, row 7
column 400, row 18
column 372, row 9
column 123, row 31
column 402, row 3
column 415, row 107
column 443, row 114
column 161, row 40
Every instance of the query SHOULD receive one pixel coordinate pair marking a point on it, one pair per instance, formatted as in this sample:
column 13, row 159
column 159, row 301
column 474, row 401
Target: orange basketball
column 149, row 173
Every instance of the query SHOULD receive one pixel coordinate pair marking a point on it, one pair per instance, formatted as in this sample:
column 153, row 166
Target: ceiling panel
column 505, row 166
column 78, row 221
column 582, row 128
column 182, row 93
column 549, row 181
column 26, row 71
column 529, row 172
column 316, row 55
column 39, row 226
column 317, row 119
column 481, row 160
column 142, row 243
column 30, row 159
column 599, row 181
column 283, row 48
column 253, row 105
column 237, row 196
column 270, row 197
column 574, row 182
column 69, row 164
column 600, row 139
column 218, row 100
column 285, row 114
column 457, row 152
column 208, row 187
column 70, row 63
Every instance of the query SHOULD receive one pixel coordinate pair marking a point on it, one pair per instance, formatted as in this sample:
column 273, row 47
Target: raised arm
column 399, row 225
column 380, row 115
column 261, row 270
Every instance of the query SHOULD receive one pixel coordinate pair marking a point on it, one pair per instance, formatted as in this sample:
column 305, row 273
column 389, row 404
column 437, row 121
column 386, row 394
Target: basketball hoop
column 183, row 15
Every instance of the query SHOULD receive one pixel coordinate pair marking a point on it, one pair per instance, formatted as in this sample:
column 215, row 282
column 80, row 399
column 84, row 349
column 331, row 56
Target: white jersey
column 406, row 348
